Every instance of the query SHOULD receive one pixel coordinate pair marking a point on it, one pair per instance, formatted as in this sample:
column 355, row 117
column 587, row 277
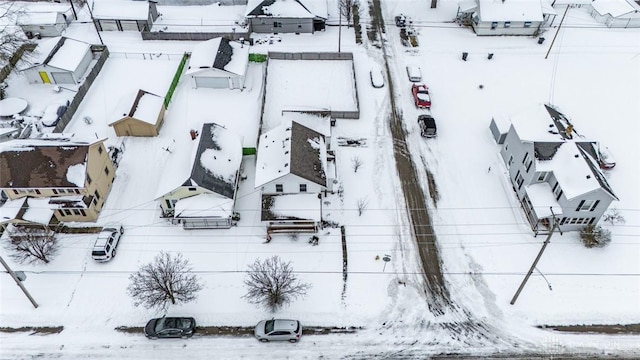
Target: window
column 82, row 212
column 88, row 179
column 76, row 191
column 542, row 176
column 54, row 191
column 519, row 180
column 506, row 146
column 100, row 149
column 192, row 189
column 95, row 201
column 557, row 191
column 16, row 192
column 526, row 157
column 97, row 194
column 279, row 188
column 38, row 192
column 507, row 24
column 527, row 24
column 277, row 24
column 303, row 187
column 299, row 26
column 494, row 25
column 510, row 161
column 169, row 204
column 76, row 211
column 68, row 212
column 587, row 205
column 106, row 171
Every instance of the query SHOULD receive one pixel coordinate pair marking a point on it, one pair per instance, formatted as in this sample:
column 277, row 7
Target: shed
column 616, row 13
column 218, row 63
column 499, row 128
column 287, row 16
column 58, row 60
column 42, row 24
column 121, row 15
column 143, row 117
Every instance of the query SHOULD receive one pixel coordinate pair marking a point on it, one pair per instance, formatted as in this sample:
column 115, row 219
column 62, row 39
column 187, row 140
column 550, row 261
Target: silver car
column 278, row 330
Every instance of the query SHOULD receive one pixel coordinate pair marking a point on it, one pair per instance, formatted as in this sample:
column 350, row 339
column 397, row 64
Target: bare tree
column 168, row 279
column 32, row 245
column 362, row 205
column 595, row 236
column 272, row 283
column 11, row 37
column 613, row 216
column 356, row 163
column 346, row 9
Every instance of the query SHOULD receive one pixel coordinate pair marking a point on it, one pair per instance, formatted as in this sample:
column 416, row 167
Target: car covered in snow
column 421, row 96
column 108, row 239
column 377, row 77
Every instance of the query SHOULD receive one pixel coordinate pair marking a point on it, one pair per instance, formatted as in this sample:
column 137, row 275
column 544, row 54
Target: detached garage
column 120, row 15
column 58, row 60
column 42, row 24
column 219, row 64
column 143, row 118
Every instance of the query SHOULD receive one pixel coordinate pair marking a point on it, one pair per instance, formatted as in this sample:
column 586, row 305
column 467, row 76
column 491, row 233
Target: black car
column 170, row 327
column 401, row 21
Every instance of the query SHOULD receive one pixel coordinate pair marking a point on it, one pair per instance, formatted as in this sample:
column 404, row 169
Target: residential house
column 201, row 193
column 554, row 171
column 287, row 16
column 141, row 117
column 218, row 63
column 54, row 179
column 58, row 60
column 122, row 15
column 616, row 13
column 512, row 17
column 42, row 24
column 291, row 173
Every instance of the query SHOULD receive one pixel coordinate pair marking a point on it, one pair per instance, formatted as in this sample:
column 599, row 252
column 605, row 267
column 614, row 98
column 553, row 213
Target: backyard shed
column 58, row 60
column 42, row 24
column 287, row 16
column 143, row 117
column 120, row 15
column 218, row 63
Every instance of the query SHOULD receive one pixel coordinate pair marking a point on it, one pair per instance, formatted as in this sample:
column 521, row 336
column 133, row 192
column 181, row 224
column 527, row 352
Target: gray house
column 513, row 17
column 42, row 24
column 554, row 171
column 286, row 16
column 121, row 15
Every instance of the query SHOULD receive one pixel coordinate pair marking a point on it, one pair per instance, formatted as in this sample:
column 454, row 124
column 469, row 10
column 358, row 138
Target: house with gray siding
column 506, row 17
column 286, row 16
column 554, row 171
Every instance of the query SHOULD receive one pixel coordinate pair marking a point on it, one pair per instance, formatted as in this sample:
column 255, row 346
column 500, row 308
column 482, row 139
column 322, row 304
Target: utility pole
column 535, row 262
column 557, row 31
column 18, row 282
column 94, row 23
column 339, row 26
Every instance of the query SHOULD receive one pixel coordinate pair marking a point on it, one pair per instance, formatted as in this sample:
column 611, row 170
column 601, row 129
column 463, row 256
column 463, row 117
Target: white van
column 414, row 73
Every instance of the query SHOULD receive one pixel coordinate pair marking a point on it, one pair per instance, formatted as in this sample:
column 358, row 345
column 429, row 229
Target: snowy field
column 592, row 74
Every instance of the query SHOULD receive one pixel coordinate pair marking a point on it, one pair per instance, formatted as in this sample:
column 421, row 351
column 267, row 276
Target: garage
column 62, row 78
column 129, row 25
column 212, row 82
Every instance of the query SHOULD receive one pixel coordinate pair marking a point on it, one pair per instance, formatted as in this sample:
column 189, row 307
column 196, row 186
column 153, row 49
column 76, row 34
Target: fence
column 193, row 36
column 146, row 56
column 176, row 79
column 6, row 70
column 82, row 91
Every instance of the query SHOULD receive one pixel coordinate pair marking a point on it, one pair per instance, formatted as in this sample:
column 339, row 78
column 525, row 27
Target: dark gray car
column 170, row 327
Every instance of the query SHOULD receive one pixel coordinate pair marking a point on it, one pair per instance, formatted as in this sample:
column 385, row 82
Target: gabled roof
column 59, row 52
column 215, row 163
column 220, row 54
column 291, row 148
column 121, row 10
column 616, row 8
column 287, row 8
column 510, row 10
column 146, row 107
column 44, row 163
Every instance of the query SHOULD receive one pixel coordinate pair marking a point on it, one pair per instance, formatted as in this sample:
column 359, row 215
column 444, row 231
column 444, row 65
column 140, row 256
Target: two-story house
column 554, row 171
column 55, row 179
column 291, row 173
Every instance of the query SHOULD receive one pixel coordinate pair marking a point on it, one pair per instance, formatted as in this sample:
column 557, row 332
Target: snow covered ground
column 592, row 74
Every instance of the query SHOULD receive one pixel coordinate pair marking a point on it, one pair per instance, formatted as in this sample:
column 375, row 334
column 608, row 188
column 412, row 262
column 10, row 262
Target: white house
column 506, row 17
column 57, row 60
column 287, row 16
column 218, row 63
column 42, row 24
column 617, row 13
column 554, row 171
column 291, row 167
column 199, row 187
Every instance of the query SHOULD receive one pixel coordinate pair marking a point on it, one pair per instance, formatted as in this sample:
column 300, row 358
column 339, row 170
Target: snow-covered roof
column 204, row 205
column 543, row 200
column 145, row 107
column 288, row 8
column 510, row 10
column 291, row 148
column 467, row 6
column 21, row 163
column 315, row 119
column 60, row 52
column 219, row 54
column 537, row 124
column 215, row 163
column 305, row 206
column 121, row 9
column 614, row 8
column 38, row 18
column 10, row 209
column 39, row 211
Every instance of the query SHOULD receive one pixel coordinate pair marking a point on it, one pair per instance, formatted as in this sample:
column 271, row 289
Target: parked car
column 414, row 73
column 105, row 246
column 427, row 126
column 170, row 327
column 401, row 20
column 421, row 96
column 377, row 78
column 278, row 330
